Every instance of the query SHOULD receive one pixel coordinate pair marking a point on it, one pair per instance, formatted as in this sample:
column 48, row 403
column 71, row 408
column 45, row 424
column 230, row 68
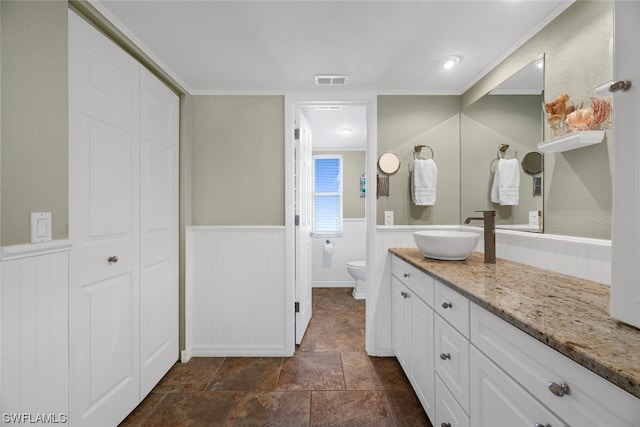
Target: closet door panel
column 158, row 230
column 103, row 227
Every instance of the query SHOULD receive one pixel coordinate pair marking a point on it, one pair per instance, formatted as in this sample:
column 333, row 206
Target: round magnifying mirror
column 389, row 163
column 532, row 163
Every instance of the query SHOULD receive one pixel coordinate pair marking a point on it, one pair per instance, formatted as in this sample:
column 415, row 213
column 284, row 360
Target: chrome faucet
column 489, row 218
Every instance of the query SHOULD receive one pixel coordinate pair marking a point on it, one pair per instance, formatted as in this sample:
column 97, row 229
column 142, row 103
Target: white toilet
column 358, row 270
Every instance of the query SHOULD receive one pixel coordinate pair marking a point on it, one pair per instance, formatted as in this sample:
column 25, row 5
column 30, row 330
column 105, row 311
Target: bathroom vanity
column 508, row 344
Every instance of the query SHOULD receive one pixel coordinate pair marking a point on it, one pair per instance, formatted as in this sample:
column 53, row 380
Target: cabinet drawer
column 417, row 281
column 497, row 400
column 452, row 361
column 448, row 412
column 591, row 401
column 453, row 307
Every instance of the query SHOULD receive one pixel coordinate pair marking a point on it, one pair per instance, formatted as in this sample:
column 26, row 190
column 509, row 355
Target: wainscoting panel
column 34, row 329
column 235, row 291
column 330, row 270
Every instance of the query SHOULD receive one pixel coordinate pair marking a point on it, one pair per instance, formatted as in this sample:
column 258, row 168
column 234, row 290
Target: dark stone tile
column 359, row 373
column 406, row 409
column 307, row 341
column 247, row 374
column 349, row 409
column 280, row 408
column 338, row 339
column 312, row 371
column 192, row 409
column 143, row 410
column 191, row 376
column 390, row 374
column 338, row 319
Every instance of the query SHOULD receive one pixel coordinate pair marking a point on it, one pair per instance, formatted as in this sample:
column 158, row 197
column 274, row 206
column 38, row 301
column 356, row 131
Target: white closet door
column 103, row 224
column 158, row 230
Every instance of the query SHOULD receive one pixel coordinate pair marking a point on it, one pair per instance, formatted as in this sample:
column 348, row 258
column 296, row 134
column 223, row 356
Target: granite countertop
column 569, row 314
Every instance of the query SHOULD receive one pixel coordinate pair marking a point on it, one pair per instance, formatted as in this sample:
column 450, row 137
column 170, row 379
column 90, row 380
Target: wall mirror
column 509, row 116
column 389, row 163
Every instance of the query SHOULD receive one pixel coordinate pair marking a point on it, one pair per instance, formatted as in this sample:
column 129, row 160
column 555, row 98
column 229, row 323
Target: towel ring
column 418, row 148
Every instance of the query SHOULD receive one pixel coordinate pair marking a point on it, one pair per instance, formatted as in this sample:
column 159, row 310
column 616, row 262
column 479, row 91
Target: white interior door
column 158, row 230
column 304, row 212
column 103, row 228
column 625, row 230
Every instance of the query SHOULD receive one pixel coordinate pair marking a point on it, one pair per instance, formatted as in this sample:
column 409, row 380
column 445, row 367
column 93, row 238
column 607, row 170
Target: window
column 327, row 194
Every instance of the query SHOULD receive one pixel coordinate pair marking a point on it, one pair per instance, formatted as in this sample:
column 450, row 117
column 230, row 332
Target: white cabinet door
column 498, row 401
column 625, row 227
column 421, row 353
column 452, row 361
column 103, row 227
column 399, row 322
column 159, row 126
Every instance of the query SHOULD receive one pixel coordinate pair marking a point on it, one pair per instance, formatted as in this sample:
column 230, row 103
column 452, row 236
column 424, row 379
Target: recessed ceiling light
column 346, row 131
column 450, row 62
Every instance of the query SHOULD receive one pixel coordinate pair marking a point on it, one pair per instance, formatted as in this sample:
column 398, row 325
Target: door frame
column 293, row 100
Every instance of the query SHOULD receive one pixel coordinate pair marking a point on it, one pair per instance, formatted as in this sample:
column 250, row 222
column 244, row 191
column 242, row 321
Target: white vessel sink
column 447, row 245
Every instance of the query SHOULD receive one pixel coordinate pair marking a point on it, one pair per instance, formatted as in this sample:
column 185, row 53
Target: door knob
column 622, row 85
column 112, row 259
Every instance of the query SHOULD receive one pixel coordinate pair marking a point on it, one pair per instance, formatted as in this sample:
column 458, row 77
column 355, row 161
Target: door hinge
column 297, row 220
column 296, row 307
column 296, row 134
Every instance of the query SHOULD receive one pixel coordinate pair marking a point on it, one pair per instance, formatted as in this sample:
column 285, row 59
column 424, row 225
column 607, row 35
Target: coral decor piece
column 557, row 109
column 595, row 117
column 563, row 117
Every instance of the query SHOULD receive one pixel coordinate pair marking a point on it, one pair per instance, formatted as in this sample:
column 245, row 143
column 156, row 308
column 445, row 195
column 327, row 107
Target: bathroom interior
column 562, row 224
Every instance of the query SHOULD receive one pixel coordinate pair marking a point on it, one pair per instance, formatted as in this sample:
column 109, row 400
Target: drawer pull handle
column 404, row 294
column 559, row 389
column 445, row 425
column 406, row 275
column 445, row 356
column 112, row 259
column 447, row 305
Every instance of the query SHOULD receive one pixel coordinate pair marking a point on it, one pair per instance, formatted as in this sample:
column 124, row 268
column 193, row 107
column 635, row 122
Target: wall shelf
column 572, row 141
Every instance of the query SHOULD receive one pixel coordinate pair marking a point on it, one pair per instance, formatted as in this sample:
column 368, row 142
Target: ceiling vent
column 330, row 80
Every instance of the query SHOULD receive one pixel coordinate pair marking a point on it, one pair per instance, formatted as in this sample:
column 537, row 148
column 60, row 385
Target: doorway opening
column 329, row 164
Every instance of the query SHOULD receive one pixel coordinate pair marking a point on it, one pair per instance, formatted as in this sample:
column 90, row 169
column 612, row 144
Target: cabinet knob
column 445, row 356
column 112, row 259
column 558, row 389
column 542, row 425
column 447, row 305
column 404, row 294
column 445, row 425
column 406, row 275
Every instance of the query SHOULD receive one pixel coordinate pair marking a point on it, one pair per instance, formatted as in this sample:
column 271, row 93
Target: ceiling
column 265, row 46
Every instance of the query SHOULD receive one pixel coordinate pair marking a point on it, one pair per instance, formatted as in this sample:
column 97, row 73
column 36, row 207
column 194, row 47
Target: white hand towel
column 506, row 183
column 423, row 184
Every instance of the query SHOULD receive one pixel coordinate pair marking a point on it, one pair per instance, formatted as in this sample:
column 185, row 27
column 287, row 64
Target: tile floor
column 329, row 381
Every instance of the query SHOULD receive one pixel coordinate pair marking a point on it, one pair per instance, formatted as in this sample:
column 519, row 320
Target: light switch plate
column 40, row 227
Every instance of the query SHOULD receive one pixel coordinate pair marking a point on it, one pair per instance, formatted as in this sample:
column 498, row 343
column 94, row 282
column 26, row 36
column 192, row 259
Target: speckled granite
column 568, row 314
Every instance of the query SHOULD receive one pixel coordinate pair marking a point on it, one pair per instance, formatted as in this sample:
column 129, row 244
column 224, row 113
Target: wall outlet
column 388, row 217
column 40, row 227
column 533, row 218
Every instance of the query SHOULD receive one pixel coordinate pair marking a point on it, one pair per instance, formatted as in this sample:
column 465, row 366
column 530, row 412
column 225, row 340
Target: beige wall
column 353, row 166
column 493, row 120
column 34, row 117
column 237, row 160
column 578, row 56
column 405, row 121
